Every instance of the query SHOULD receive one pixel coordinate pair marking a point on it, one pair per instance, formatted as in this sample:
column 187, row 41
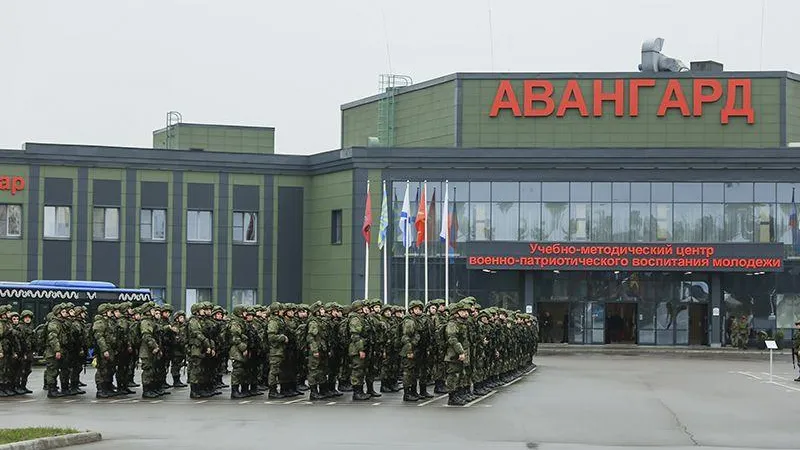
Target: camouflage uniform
column 457, row 354
column 376, row 345
column 411, row 351
column 343, row 341
column 178, row 348
column 135, row 341
column 56, row 353
column 336, row 348
column 358, row 348
column 150, row 352
column 796, row 345
column 28, row 338
column 301, row 364
column 392, row 349
column 6, row 352
column 11, row 347
column 78, row 348
column 277, row 334
column 244, row 346
column 317, row 334
column 199, row 348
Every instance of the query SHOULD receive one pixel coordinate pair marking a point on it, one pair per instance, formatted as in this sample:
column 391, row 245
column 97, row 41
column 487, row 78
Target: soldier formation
column 283, row 349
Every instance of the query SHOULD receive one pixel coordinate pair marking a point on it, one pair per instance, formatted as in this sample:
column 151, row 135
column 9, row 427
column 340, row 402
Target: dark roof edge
column 215, row 125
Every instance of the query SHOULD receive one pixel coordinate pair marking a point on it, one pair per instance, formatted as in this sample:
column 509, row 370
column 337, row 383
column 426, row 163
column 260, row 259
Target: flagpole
column 366, row 257
column 425, row 202
column 406, row 245
column 385, row 257
column 445, row 218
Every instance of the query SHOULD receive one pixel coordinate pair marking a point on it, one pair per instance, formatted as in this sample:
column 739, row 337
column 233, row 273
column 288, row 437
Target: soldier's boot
column 77, row 387
column 101, row 391
column 359, row 394
column 371, row 390
column 149, row 391
column 409, row 395
column 236, row 391
column 18, row 389
column 4, row 391
column 315, row 393
column 273, row 392
column 254, row 390
column 81, row 383
column 133, row 384
column 797, row 379
column 423, row 391
column 455, row 399
column 301, row 385
column 345, row 386
column 24, row 385
column 208, row 390
column 324, row 390
column 296, row 389
column 333, row 391
column 53, row 392
column 193, row 391
column 385, row 386
column 176, row 381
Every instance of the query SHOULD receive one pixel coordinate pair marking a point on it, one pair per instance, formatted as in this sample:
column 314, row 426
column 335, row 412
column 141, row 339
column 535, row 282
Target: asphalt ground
column 569, row 402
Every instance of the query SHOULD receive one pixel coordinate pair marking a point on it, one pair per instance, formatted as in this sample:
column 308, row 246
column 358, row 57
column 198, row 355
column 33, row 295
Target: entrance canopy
column 648, row 257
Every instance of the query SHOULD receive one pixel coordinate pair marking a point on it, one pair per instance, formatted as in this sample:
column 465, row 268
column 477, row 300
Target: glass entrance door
column 587, row 322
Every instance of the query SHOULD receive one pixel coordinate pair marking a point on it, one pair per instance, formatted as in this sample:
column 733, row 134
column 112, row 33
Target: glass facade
column 604, row 212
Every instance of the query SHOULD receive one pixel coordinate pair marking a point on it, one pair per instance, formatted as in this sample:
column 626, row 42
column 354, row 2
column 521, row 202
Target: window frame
column 336, row 227
column 243, row 228
column 68, row 223
column 198, row 213
column 6, row 225
column 105, row 211
column 245, row 291
column 152, row 237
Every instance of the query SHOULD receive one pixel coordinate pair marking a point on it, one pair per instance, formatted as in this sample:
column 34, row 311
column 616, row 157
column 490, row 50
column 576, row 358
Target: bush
column 9, row 435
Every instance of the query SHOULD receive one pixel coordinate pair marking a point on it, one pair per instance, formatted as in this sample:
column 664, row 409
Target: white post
column 405, row 244
column 366, row 257
column 770, row 365
column 385, row 259
column 425, row 235
column 445, row 217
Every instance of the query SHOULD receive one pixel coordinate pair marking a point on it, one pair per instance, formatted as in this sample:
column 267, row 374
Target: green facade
column 793, row 111
column 421, row 118
column 216, row 138
column 432, row 114
column 14, row 250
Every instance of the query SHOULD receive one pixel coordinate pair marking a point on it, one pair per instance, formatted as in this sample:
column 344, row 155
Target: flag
column 421, row 219
column 445, row 230
column 405, row 213
column 384, row 220
column 793, row 225
column 432, row 218
column 367, row 226
column 453, row 223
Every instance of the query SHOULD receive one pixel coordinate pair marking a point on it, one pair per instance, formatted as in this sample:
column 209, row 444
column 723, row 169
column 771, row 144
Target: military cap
column 194, row 309
column 332, row 305
column 387, row 308
column 166, row 307
column 357, row 305
column 303, row 306
column 5, row 308
column 56, row 309
column 436, row 302
column 12, row 314
column 373, row 302
column 315, row 307
column 69, row 305
column 26, row 313
column 415, row 304
column 275, row 307
column 239, row 310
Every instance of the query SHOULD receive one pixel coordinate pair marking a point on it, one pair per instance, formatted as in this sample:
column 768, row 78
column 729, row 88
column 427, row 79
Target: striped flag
column 384, row 220
column 405, row 214
column 443, row 234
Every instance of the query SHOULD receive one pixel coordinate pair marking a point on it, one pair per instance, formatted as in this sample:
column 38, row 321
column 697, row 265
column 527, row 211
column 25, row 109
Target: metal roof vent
column 654, row 61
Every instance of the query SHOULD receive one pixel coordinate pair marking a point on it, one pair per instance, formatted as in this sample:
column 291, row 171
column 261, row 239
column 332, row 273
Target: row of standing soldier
column 287, row 349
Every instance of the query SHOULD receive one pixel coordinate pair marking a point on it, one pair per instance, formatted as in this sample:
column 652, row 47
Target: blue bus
column 40, row 296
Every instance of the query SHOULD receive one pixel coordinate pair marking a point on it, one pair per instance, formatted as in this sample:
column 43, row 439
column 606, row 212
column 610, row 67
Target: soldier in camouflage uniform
column 796, row 345
column 77, row 349
column 376, row 346
column 358, row 349
column 151, row 352
column 317, row 343
column 392, row 348
column 13, row 350
column 166, row 336
column 302, row 348
column 343, row 340
column 178, row 348
column 217, row 330
column 260, row 322
column 481, row 345
column 399, row 313
column 244, row 347
column 277, row 334
column 104, row 336
column 6, row 352
column 333, row 318
column 458, row 353
column 440, row 367
column 411, row 354
column 199, row 349
column 56, row 353
column 28, row 338
column 135, row 340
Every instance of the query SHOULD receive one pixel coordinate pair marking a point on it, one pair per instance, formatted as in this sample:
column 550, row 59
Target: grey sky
column 106, row 72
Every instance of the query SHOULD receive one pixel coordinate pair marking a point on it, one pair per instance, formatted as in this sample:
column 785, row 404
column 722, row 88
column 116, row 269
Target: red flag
column 419, row 224
column 432, row 232
column 367, row 226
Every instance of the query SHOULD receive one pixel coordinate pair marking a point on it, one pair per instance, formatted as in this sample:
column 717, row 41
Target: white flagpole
column 366, row 255
column 425, row 235
column 445, row 218
column 405, row 244
column 385, row 252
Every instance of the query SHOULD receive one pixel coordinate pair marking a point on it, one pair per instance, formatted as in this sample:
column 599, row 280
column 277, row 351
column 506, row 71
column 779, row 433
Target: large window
column 479, row 221
column 245, row 227
column 10, row 221
column 579, row 214
column 105, row 224
column 153, row 224
column 555, row 221
column 57, row 222
column 243, row 297
column 159, row 295
column 198, row 226
column 194, row 295
column 688, row 225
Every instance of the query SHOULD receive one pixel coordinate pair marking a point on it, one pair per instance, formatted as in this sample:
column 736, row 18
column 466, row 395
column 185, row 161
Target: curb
column 54, row 442
column 684, row 354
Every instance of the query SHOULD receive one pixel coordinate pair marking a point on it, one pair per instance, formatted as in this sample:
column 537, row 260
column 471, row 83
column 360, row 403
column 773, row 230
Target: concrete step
column 702, row 352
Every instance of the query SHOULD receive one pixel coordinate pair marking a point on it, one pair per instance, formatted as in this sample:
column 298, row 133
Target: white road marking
column 269, row 403
column 70, row 401
column 376, row 404
column 156, row 401
column 94, row 401
column 432, row 400
column 245, row 402
column 293, row 401
column 511, row 382
column 748, row 374
column 480, row 398
column 787, row 387
column 27, row 401
column 201, row 401
column 330, row 403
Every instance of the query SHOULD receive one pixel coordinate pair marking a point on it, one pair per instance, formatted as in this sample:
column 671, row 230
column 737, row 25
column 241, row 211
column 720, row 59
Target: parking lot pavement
column 581, row 402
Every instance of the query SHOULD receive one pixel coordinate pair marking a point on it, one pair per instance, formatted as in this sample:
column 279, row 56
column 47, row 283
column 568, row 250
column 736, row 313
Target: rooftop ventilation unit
column 654, row 61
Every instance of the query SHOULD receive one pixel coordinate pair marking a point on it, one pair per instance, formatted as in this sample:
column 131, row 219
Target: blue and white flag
column 405, row 215
column 384, row 219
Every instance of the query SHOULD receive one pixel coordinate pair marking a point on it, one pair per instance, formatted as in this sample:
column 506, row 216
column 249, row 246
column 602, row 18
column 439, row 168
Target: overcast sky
column 106, row 72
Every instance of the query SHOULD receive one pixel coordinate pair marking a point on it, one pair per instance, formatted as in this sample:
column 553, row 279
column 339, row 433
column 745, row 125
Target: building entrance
column 621, row 323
